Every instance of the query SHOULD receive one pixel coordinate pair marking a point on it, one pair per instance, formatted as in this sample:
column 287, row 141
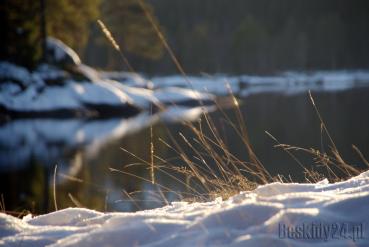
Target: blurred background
column 213, row 36
column 270, row 52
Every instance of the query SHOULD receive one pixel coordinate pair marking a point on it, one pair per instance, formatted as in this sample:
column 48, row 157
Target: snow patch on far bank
column 286, row 83
column 52, row 89
column 257, row 218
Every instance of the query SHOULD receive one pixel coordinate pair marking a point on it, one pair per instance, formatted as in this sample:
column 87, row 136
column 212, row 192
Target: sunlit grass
column 214, row 171
column 211, row 170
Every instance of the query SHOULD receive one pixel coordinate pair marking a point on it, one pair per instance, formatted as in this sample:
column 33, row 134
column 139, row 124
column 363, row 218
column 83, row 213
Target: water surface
column 86, row 150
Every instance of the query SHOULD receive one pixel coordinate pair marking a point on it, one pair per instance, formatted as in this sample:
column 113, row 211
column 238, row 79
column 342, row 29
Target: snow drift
column 276, row 214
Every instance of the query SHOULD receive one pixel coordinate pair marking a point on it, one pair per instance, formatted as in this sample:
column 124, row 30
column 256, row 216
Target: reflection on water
column 85, row 150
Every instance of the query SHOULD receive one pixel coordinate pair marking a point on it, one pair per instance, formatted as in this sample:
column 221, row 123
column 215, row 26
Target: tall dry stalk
column 114, row 43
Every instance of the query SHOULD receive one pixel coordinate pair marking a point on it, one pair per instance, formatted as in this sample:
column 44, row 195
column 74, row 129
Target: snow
column 74, row 95
column 286, row 83
column 22, row 90
column 256, row 218
column 173, row 94
column 180, row 113
column 69, row 96
column 61, row 52
column 57, row 85
column 143, row 97
column 10, row 88
column 47, row 72
column 249, row 219
column 9, row 71
column 127, row 78
column 50, row 98
column 217, row 84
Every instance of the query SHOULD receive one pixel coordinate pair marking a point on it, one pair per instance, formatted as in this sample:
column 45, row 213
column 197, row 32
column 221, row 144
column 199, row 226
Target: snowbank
column 49, row 89
column 65, row 87
column 59, row 53
column 82, row 90
column 276, row 214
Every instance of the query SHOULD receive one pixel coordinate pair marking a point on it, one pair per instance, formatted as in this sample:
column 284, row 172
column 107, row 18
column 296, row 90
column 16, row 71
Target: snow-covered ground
column 276, row 214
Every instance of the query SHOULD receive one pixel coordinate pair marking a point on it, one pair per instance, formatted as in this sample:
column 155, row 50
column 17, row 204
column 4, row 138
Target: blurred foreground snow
column 276, row 214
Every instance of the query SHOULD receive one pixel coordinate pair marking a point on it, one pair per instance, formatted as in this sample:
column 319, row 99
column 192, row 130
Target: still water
column 84, row 151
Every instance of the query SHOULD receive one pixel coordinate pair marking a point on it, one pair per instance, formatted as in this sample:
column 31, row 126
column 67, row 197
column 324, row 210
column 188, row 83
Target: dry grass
column 15, row 213
column 334, row 166
column 115, row 45
column 211, row 170
column 214, row 170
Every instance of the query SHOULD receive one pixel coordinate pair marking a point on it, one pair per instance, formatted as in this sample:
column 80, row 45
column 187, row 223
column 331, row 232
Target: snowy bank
column 276, row 214
column 52, row 92
column 65, row 87
column 285, row 83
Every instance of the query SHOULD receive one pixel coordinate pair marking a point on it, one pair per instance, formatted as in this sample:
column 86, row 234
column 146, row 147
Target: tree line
column 213, row 36
column 264, row 36
column 74, row 23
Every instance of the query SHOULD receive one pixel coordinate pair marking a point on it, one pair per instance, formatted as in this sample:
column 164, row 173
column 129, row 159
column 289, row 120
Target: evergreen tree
column 20, row 33
column 67, row 20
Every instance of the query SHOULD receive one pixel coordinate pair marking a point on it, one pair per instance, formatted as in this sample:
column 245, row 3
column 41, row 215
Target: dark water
column 84, row 151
